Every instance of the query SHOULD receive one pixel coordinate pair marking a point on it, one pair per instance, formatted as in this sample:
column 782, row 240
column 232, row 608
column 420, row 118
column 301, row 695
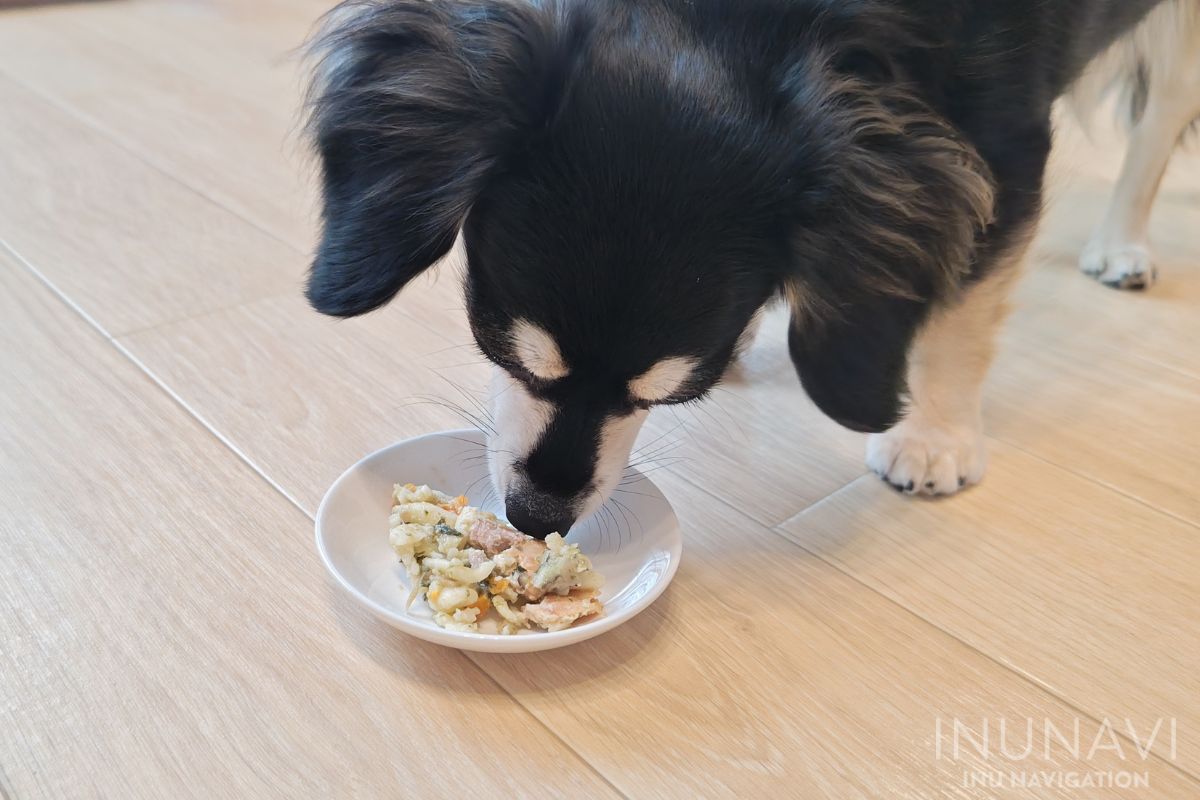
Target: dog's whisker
column 641, row 475
column 660, row 450
column 609, row 521
column 462, row 364
column 490, row 497
column 681, row 423
column 665, row 461
column 632, row 515
column 619, row 490
column 479, row 413
column 703, row 407
column 655, row 460
column 660, row 459
column 504, row 390
column 628, row 513
column 458, row 410
column 654, row 441
column 617, row 524
column 484, row 453
column 620, row 536
column 448, row 349
column 632, row 480
column 467, row 441
column 732, row 417
column 471, row 486
column 472, row 399
column 603, row 522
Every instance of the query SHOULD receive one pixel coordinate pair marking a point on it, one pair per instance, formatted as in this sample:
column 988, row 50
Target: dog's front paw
column 919, row 457
column 1119, row 265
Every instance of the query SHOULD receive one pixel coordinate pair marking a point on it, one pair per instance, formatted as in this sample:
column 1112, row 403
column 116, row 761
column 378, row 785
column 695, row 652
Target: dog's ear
column 888, row 204
column 853, row 367
column 413, row 104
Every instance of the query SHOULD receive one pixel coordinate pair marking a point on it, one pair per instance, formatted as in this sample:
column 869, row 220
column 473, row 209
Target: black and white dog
column 635, row 179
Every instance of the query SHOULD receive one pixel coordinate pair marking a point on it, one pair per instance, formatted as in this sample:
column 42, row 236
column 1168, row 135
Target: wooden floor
column 171, row 413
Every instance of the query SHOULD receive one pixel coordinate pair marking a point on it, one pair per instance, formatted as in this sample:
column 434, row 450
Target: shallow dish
column 636, row 549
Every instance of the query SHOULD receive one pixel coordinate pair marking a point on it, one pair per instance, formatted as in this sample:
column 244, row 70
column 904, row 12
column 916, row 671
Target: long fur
column 411, row 105
column 637, row 178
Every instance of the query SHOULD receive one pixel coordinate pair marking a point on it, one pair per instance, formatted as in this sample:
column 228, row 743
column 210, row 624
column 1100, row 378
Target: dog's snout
column 537, row 516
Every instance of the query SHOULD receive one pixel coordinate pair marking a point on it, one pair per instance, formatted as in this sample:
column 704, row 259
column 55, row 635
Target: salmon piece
column 528, row 554
column 556, row 612
column 493, row 537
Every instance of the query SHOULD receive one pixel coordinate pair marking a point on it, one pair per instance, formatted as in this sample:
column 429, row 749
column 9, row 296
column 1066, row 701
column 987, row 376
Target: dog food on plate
column 467, row 562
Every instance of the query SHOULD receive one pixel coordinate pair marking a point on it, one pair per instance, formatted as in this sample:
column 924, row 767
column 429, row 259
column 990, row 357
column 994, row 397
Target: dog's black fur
column 638, row 177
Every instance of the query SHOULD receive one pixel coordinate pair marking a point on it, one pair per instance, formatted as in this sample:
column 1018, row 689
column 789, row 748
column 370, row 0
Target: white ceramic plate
column 637, row 549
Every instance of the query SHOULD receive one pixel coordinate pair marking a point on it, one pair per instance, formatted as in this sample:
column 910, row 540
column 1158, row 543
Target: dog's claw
column 1119, row 265
column 923, row 459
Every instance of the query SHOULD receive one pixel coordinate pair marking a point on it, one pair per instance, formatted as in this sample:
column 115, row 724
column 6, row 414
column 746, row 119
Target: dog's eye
column 674, row 400
column 532, row 382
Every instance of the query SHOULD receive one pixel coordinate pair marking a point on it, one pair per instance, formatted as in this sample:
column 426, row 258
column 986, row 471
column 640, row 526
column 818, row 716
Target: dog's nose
column 530, row 517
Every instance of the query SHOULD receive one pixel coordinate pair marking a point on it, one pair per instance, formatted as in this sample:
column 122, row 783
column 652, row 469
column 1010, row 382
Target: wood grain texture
column 131, row 246
column 765, row 673
column 1158, row 326
column 1089, row 593
column 167, row 627
column 304, row 396
column 703, row 694
column 1108, row 414
column 231, row 133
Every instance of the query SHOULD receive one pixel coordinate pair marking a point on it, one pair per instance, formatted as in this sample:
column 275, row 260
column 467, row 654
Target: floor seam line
column 116, row 140
column 1021, row 675
column 190, row 413
column 1024, row 677
column 1099, row 483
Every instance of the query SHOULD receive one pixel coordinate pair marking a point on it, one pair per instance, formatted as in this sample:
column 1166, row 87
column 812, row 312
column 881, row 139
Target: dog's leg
column 938, row 447
column 1118, row 254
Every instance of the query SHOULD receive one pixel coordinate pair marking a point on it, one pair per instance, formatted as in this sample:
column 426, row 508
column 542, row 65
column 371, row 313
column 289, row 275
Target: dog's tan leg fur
column 1165, row 49
column 939, row 447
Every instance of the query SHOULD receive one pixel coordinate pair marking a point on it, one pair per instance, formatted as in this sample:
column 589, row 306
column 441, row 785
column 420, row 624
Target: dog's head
column 633, row 183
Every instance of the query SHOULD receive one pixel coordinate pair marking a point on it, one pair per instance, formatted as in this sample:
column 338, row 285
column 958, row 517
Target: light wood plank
column 227, row 127
column 1101, row 412
column 304, row 396
column 832, row 690
column 765, row 673
column 168, row 630
column 829, row 690
column 1062, row 306
column 131, row 246
column 1089, row 593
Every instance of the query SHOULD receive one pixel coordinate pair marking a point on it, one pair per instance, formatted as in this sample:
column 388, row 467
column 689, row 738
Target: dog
column 633, row 180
